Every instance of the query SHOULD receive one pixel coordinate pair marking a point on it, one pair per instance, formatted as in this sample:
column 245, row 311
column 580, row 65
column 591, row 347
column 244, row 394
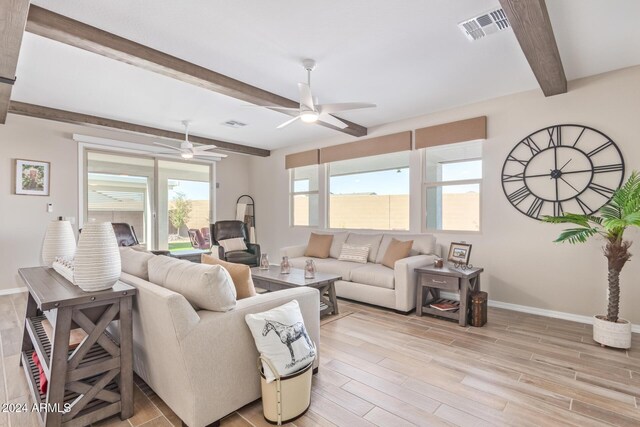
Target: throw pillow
column 395, row 251
column 134, row 262
column 319, row 245
column 207, row 287
column 235, row 244
column 354, row 253
column 373, row 240
column 240, row 274
column 281, row 337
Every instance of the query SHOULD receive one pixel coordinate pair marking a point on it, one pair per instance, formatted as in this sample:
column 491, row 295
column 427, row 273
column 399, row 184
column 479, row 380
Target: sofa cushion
column 339, row 237
column 354, row 253
column 375, row 275
column 395, row 251
column 299, row 262
column 134, row 262
column 423, row 244
column 206, row 287
column 341, row 268
column 240, row 274
column 319, row 245
column 281, row 337
column 366, row 239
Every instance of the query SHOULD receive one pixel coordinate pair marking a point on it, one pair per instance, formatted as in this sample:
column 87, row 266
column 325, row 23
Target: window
column 452, row 184
column 304, row 196
column 370, row 192
column 161, row 199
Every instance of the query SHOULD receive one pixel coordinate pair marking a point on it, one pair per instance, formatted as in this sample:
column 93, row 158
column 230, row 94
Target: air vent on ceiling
column 234, row 124
column 485, row 24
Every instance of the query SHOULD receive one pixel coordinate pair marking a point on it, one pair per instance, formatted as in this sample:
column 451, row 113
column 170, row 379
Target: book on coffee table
column 444, row 306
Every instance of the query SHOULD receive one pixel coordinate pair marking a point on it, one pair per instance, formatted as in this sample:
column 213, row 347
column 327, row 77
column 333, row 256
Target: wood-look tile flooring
column 386, row 369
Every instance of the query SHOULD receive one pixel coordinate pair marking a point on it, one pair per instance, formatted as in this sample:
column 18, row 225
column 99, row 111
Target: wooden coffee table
column 272, row 280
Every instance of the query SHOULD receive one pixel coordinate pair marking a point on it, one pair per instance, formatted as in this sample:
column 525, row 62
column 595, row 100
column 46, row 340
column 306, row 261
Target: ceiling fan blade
column 216, row 155
column 168, row 146
column 204, row 147
column 328, row 118
column 288, row 122
column 306, row 99
column 343, row 106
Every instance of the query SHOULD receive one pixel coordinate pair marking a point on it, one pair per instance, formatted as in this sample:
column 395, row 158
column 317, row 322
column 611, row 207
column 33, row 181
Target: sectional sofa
column 373, row 283
column 202, row 363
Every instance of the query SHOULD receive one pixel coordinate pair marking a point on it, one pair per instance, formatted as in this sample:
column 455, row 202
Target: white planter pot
column 59, row 241
column 617, row 335
column 97, row 262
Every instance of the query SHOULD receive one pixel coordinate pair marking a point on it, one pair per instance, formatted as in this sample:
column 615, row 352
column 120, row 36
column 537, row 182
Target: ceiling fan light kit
column 188, row 151
column 309, row 116
column 312, row 112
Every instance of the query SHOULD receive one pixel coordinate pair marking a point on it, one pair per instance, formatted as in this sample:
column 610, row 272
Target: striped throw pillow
column 354, row 253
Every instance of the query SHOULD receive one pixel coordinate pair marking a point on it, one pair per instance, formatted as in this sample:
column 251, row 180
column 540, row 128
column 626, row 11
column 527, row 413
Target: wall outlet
column 49, row 207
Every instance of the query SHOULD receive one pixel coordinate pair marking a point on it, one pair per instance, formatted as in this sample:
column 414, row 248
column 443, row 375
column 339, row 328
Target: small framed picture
column 32, row 177
column 459, row 253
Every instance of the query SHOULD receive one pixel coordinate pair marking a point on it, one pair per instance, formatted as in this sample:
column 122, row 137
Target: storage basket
column 478, row 308
column 288, row 397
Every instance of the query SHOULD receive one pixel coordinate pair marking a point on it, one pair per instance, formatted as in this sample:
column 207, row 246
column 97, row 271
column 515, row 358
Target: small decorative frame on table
column 32, row 177
column 459, row 254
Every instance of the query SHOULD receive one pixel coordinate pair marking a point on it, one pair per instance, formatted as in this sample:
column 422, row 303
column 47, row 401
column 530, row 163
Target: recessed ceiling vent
column 485, row 24
column 234, row 124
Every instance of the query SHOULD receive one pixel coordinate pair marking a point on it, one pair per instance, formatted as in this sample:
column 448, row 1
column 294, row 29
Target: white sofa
column 373, row 283
column 202, row 363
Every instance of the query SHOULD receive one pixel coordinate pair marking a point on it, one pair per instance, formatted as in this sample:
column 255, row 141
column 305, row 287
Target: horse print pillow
column 280, row 336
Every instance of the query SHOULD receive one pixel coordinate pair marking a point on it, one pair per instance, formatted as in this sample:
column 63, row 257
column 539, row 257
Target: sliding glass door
column 162, row 199
column 120, row 189
column 184, row 202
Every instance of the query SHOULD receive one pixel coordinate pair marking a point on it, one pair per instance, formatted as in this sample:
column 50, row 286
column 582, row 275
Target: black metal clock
column 562, row 168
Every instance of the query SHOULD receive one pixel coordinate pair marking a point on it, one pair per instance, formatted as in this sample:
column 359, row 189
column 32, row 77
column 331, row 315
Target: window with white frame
column 304, row 196
column 452, row 186
column 370, row 192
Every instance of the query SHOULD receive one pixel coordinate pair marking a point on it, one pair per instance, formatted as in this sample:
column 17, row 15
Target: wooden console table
column 93, row 381
column 432, row 280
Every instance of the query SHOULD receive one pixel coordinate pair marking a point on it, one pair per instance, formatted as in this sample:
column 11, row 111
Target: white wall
column 23, row 219
column 522, row 265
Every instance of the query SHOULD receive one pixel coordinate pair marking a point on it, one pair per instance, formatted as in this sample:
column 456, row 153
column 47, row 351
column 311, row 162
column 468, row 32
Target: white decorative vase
column 59, row 241
column 97, row 261
column 617, row 335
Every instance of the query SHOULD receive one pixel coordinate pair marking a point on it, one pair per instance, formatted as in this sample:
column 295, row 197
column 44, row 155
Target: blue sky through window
column 194, row 190
column 394, row 181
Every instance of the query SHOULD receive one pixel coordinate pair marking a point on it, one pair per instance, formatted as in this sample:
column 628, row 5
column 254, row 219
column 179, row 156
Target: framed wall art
column 459, row 253
column 32, row 177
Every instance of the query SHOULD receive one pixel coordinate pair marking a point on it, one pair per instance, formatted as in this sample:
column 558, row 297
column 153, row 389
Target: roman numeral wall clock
column 562, row 168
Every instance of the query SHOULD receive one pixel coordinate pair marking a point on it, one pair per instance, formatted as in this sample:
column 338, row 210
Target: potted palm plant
column 610, row 222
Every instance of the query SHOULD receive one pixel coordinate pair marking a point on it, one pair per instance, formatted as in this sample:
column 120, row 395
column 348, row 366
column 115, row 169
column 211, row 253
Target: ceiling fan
column 188, row 151
column 310, row 112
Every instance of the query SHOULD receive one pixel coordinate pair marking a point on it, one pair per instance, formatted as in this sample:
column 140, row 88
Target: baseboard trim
column 539, row 311
column 12, row 291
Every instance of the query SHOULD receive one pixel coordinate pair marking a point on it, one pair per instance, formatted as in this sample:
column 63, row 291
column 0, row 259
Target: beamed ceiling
column 408, row 57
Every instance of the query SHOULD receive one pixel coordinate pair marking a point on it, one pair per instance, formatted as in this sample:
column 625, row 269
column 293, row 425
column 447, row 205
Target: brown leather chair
column 126, row 236
column 223, row 230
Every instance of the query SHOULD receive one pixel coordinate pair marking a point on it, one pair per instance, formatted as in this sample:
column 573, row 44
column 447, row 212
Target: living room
column 445, row 147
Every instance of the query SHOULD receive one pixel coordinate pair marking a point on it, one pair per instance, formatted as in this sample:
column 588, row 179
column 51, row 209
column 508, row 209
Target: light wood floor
column 382, row 368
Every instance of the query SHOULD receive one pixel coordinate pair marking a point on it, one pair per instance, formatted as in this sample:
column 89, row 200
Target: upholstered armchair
column 126, row 236
column 223, row 230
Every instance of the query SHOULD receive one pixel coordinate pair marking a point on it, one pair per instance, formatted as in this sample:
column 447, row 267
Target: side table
column 93, row 381
column 432, row 280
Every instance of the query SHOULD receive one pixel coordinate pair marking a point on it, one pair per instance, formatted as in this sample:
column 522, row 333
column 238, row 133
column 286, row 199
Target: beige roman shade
column 367, row 147
column 449, row 133
column 304, row 158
